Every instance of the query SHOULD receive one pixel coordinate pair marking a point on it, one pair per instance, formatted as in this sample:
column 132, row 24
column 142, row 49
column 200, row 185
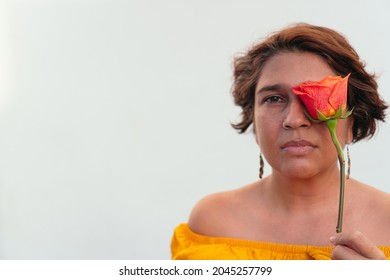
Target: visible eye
column 274, row 99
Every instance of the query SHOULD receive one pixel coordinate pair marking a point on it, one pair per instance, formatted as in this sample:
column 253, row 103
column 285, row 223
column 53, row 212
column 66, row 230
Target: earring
column 261, row 170
column 348, row 162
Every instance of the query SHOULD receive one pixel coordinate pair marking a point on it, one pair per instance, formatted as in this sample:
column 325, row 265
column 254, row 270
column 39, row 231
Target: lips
column 298, row 147
column 298, row 143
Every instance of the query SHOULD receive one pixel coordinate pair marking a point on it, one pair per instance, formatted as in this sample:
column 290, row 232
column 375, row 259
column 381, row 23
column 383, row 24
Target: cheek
column 344, row 132
column 266, row 129
column 323, row 133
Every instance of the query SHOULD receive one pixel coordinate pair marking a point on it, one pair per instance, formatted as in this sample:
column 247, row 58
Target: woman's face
column 292, row 144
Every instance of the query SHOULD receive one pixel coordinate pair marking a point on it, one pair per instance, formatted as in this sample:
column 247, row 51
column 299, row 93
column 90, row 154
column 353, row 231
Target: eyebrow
column 274, row 87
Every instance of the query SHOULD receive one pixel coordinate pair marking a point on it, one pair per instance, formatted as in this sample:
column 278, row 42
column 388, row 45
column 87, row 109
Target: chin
column 298, row 172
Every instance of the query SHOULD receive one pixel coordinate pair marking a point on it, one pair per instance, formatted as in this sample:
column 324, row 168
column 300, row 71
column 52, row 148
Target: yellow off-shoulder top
column 188, row 245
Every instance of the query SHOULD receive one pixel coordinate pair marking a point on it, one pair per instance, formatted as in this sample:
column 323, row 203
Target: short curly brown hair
column 363, row 96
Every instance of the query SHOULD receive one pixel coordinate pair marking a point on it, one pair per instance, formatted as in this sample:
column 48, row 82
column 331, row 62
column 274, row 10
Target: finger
column 358, row 243
column 341, row 252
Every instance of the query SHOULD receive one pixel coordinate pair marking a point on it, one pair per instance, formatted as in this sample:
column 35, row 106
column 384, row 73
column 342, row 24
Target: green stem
column 331, row 124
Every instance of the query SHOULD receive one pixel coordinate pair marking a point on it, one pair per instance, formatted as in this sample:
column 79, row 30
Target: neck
column 299, row 195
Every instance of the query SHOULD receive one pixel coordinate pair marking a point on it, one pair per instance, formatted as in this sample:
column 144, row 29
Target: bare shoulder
column 207, row 212
column 215, row 213
column 382, row 202
column 374, row 197
column 373, row 205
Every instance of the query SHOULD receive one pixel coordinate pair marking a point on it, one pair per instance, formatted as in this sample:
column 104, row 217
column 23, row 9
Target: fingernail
column 332, row 239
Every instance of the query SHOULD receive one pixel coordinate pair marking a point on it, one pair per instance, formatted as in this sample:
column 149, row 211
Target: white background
column 115, row 115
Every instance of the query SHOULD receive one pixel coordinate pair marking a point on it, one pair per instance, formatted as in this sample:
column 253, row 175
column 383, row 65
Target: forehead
column 292, row 68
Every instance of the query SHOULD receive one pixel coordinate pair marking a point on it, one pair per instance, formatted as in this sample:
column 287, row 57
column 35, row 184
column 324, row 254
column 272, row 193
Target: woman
column 291, row 214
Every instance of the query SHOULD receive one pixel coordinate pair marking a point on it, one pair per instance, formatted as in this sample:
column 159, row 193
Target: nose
column 295, row 115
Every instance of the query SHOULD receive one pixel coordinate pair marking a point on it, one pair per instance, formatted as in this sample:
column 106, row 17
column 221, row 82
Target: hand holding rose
column 354, row 246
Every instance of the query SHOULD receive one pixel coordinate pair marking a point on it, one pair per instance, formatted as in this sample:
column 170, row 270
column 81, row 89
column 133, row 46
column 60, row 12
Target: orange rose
column 326, row 98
